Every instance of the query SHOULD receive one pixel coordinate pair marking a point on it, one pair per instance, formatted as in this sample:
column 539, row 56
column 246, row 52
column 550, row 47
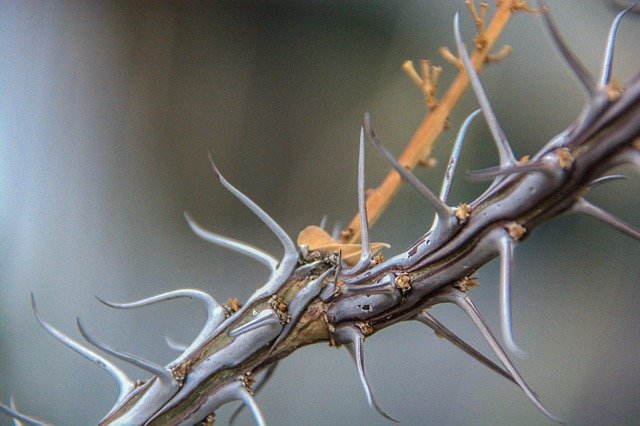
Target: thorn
column 232, row 244
column 588, row 83
column 463, row 301
column 442, row 331
column 125, row 385
column 455, row 155
column 163, row 374
column 245, row 396
column 607, row 62
column 353, row 338
column 323, row 222
column 266, row 317
column 17, row 416
column 583, row 206
column 178, row 347
column 259, row 385
column 443, row 211
column 290, row 257
column 606, row 179
column 504, row 150
column 506, row 248
column 494, row 172
column 366, row 256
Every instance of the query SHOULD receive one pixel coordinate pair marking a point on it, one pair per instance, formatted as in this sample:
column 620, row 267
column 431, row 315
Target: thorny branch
column 315, row 295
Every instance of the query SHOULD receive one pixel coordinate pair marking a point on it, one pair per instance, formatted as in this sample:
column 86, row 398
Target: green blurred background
column 108, row 110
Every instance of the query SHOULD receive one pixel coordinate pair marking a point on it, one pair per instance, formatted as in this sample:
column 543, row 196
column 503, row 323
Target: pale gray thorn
column 464, row 302
column 607, row 62
column 494, row 172
column 443, row 211
column 13, row 406
column 366, row 255
column 125, row 385
column 504, row 150
column 259, row 384
column 354, row 345
column 245, row 396
column 506, row 248
column 19, row 417
column 455, row 155
column 232, row 244
column 330, row 289
column 178, row 347
column 215, row 312
column 443, row 331
column 323, row 222
column 606, row 179
column 290, row 250
column 588, row 83
column 583, row 206
column 163, row 374
column 264, row 318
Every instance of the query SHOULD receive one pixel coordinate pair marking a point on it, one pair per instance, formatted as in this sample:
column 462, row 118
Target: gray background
column 108, row 111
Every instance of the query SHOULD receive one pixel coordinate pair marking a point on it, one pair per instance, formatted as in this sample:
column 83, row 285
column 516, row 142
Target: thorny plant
column 332, row 289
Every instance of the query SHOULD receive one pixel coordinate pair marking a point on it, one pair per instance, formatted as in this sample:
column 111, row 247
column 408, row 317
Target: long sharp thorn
column 506, row 275
column 16, row 415
column 443, row 331
column 588, row 83
column 606, row 179
column 494, row 172
column 455, row 155
column 443, row 211
column 463, row 301
column 260, row 382
column 232, row 244
column 356, row 350
column 246, row 397
column 290, row 257
column 163, row 374
column 265, row 318
column 504, row 150
column 178, row 347
column 125, row 385
column 607, row 62
column 366, row 255
column 583, row 206
column 323, row 222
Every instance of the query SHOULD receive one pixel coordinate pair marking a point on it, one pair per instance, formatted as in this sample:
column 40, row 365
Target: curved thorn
column 494, row 172
column 354, row 345
column 125, row 385
column 465, row 303
column 504, row 150
column 264, row 318
column 506, row 273
column 245, row 396
column 455, row 154
column 607, row 62
column 17, row 416
column 366, row 255
column 290, row 250
column 442, row 331
column 583, row 206
column 588, row 83
column 259, row 384
column 232, row 244
column 14, row 407
column 163, row 374
column 178, row 347
column 329, row 290
column 443, row 211
column 606, row 179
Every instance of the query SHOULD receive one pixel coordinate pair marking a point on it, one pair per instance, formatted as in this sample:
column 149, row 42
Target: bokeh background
column 108, row 110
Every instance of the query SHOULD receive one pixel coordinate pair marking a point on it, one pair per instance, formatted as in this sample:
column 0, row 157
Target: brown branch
column 432, row 125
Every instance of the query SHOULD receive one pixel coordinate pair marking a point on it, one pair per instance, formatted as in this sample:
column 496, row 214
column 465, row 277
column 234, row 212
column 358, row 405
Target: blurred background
column 108, row 110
